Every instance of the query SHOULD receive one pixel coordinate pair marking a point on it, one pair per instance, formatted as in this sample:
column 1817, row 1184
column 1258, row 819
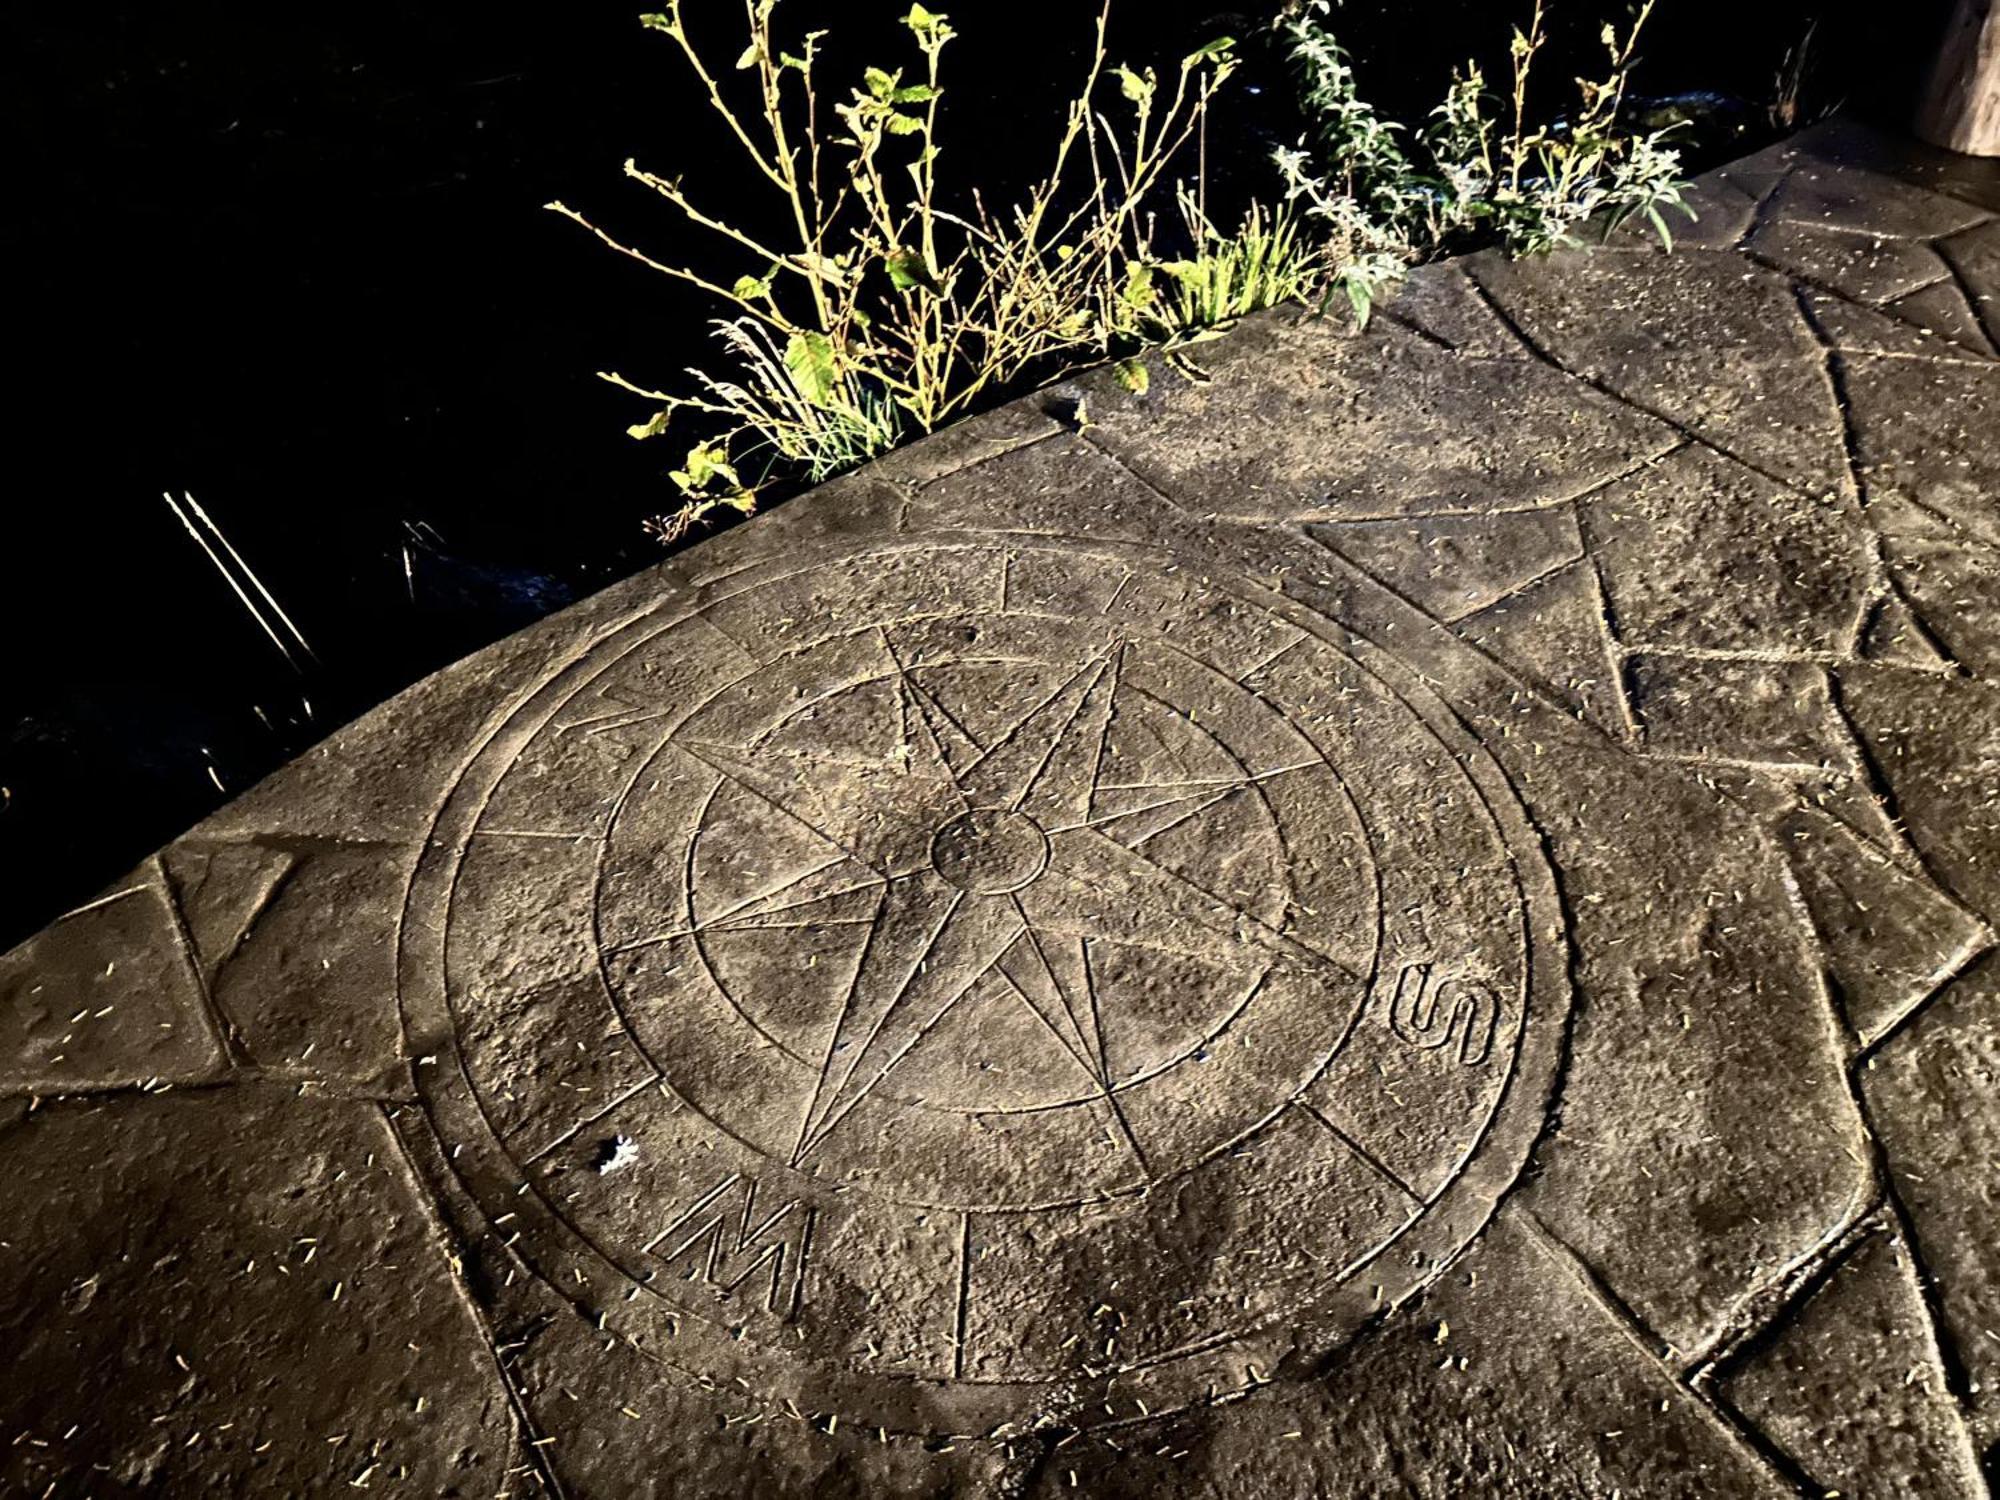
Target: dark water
column 290, row 259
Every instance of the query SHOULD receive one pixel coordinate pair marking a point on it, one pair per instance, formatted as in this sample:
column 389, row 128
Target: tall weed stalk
column 895, row 297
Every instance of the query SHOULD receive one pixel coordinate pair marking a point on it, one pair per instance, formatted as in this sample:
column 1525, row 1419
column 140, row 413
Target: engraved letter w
column 727, row 1249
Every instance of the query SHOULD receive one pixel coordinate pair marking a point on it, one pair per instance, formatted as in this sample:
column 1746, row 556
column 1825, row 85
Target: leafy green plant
column 1481, row 167
column 893, row 302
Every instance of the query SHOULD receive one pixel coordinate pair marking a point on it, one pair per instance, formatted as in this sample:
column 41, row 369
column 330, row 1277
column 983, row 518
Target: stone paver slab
column 1707, row 342
column 1851, row 1384
column 106, row 996
column 1391, row 425
column 237, row 1292
column 1412, row 914
column 1930, row 1091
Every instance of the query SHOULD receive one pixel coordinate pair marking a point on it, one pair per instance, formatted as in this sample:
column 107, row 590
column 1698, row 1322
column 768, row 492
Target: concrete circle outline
column 482, row 1167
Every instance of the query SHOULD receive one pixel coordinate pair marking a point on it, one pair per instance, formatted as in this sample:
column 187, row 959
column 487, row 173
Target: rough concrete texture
column 1412, row 918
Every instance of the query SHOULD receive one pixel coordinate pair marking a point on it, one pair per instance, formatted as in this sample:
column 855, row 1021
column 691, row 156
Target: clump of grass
column 895, row 300
column 1263, row 263
column 1223, row 277
column 1788, row 108
column 1480, row 168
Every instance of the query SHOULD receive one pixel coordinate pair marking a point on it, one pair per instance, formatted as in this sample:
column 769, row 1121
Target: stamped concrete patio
column 1415, row 919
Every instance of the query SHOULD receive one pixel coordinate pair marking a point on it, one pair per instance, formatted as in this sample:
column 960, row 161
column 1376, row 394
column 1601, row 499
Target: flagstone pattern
column 1413, row 917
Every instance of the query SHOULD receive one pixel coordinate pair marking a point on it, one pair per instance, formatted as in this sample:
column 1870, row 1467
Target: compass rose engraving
column 966, row 937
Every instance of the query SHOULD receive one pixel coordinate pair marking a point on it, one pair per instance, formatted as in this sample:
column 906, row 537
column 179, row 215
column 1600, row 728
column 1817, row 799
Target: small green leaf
column 750, row 288
column 1138, row 291
column 1362, row 299
column 880, row 84
column 704, row 465
column 922, row 21
column 1660, row 223
column 1134, row 87
column 916, row 93
column 1132, row 375
column 749, row 58
column 905, row 125
column 814, row 366
column 1215, row 51
column 907, row 270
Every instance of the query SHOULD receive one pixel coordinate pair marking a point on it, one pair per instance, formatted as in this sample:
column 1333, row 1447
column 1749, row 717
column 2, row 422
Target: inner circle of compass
column 990, row 851
column 987, row 891
column 1010, row 968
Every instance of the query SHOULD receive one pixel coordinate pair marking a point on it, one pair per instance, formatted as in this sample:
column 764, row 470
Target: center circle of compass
column 966, row 943
column 990, row 851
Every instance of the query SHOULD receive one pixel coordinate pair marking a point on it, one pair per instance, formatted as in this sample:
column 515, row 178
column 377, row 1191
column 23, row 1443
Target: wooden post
column 1962, row 109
